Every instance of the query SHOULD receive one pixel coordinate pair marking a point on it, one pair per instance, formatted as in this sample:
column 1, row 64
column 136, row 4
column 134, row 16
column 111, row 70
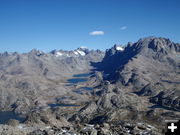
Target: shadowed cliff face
column 150, row 59
column 147, row 67
column 142, row 85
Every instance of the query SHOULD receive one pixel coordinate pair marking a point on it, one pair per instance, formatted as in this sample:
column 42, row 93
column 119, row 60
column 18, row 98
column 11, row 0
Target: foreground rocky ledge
column 121, row 127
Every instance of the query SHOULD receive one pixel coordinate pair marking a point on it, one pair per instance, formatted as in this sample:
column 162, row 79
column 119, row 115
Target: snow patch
column 58, row 54
column 20, row 126
column 81, row 52
column 76, row 53
column 119, row 48
column 67, row 55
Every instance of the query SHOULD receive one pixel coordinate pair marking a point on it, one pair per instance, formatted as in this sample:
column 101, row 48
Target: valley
column 127, row 90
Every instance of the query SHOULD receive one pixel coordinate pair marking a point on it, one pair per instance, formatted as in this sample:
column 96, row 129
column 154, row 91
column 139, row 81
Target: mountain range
column 126, row 84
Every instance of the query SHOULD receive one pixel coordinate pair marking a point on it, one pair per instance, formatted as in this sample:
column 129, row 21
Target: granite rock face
column 168, row 99
column 147, row 67
column 142, row 84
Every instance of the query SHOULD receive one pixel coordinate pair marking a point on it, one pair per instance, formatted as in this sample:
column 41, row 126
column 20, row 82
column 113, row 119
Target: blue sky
column 96, row 24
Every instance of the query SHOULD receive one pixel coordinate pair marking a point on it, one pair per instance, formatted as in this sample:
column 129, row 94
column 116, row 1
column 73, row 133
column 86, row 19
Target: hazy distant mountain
column 35, row 75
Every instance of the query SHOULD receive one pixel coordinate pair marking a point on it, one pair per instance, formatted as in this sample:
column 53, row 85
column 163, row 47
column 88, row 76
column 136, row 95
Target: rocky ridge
column 142, row 85
column 134, row 90
column 148, row 68
column 35, row 78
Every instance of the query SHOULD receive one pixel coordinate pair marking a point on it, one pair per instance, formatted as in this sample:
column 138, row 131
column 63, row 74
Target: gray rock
column 27, row 77
column 13, row 122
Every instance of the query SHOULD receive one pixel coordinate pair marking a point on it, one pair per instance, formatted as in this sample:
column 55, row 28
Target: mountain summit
column 147, row 67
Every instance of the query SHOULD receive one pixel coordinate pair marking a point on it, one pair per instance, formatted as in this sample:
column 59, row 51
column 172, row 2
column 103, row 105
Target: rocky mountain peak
column 81, row 51
column 4, row 54
column 118, row 47
column 140, row 60
column 36, row 52
column 156, row 44
column 115, row 49
column 83, row 47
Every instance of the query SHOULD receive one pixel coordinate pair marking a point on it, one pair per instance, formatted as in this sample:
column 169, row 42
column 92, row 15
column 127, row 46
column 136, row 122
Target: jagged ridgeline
column 149, row 67
column 29, row 77
column 142, row 83
column 128, row 89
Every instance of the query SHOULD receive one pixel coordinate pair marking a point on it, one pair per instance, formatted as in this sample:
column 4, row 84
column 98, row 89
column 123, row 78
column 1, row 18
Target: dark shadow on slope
column 98, row 119
column 112, row 62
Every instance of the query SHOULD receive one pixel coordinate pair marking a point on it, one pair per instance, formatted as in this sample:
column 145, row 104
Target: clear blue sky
column 68, row 24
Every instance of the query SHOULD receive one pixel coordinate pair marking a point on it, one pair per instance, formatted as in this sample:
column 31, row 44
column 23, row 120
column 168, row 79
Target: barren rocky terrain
column 127, row 90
